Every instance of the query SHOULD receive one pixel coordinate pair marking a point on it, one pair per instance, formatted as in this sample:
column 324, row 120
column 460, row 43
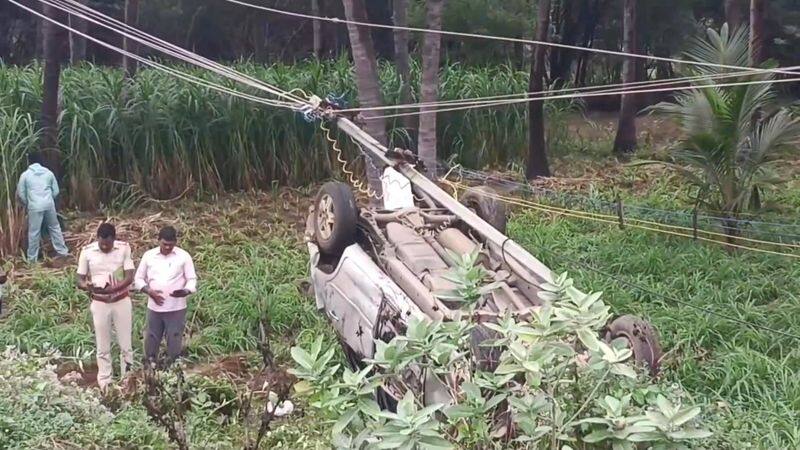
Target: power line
column 174, row 72
column 581, row 95
column 95, row 17
column 516, row 185
column 543, row 94
column 636, row 223
column 505, row 39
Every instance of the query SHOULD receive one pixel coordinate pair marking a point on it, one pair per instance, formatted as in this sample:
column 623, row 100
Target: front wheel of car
column 641, row 338
column 335, row 217
column 485, row 202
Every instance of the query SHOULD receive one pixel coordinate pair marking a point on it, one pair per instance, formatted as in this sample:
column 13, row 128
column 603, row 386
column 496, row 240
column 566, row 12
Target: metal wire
column 343, row 163
column 483, row 177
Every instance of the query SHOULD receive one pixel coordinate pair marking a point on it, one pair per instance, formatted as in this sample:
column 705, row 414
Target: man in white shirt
column 105, row 271
column 166, row 274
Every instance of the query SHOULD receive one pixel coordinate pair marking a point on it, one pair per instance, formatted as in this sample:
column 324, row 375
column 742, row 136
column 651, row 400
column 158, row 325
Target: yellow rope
column 659, row 224
column 351, row 176
column 604, row 218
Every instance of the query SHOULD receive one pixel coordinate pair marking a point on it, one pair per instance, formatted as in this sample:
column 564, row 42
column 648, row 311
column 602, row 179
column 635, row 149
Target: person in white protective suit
column 37, row 190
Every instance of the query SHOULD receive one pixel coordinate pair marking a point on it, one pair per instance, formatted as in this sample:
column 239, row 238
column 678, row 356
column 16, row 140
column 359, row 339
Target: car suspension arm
column 507, row 247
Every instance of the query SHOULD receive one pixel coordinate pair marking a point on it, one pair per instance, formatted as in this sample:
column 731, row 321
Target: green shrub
column 556, row 385
column 37, row 411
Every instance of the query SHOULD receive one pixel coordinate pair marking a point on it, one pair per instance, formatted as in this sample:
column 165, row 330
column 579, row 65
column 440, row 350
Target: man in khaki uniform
column 105, row 271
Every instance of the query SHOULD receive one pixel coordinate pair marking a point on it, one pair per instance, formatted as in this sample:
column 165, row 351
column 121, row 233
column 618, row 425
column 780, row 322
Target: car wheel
column 335, row 218
column 641, row 338
column 484, row 202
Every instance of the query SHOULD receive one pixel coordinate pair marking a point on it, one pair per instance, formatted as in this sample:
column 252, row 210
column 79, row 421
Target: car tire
column 642, row 340
column 335, row 218
column 484, row 202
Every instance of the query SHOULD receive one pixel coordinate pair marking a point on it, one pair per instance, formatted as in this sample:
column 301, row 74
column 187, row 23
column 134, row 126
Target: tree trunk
column 625, row 142
column 734, row 13
column 132, row 19
column 431, row 53
column 367, row 81
column 561, row 59
column 53, row 49
column 757, row 8
column 317, row 28
column 537, row 145
column 259, row 40
column 38, row 52
column 401, row 59
column 589, row 19
column 77, row 44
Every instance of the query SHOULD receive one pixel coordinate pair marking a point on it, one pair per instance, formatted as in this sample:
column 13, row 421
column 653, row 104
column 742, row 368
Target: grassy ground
column 249, row 256
column 249, row 259
column 746, row 376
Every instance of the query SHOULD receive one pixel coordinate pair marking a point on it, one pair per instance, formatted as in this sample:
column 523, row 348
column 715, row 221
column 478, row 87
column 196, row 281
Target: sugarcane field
column 399, row 224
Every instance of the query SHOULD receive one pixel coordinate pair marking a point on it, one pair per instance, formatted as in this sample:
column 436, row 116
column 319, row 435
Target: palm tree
column 731, row 134
column 53, row 47
column 401, row 58
column 625, row 142
column 131, row 18
column 367, row 81
column 757, row 8
column 77, row 44
column 317, row 28
column 537, row 145
column 734, row 13
column 431, row 54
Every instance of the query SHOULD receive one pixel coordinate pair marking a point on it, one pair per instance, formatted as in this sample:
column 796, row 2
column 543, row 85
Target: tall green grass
column 167, row 136
column 17, row 137
column 242, row 281
column 747, row 376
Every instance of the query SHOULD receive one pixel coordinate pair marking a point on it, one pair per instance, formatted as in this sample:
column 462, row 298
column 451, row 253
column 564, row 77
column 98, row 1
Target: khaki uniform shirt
column 105, row 268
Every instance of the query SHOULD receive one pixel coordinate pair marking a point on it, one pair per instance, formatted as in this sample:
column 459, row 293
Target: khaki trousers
column 119, row 315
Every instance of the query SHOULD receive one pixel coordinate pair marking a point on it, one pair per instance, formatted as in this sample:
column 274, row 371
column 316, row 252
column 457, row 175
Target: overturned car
column 374, row 269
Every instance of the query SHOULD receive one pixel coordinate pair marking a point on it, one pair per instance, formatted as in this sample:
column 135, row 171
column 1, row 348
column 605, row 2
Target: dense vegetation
column 165, row 136
column 221, row 30
column 743, row 377
column 729, row 319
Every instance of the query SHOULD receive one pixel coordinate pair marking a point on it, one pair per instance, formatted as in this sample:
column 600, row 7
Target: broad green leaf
column 624, row 370
column 666, row 407
column 343, row 422
column 589, row 339
column 685, row 415
column 406, row 407
column 434, row 443
column 598, row 436
column 690, row 434
column 303, row 388
column 303, row 358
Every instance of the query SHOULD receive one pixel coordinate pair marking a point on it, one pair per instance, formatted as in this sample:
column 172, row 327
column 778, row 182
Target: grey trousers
column 159, row 324
column 49, row 219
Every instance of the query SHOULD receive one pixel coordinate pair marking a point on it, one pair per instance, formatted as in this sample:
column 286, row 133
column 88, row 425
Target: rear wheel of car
column 641, row 338
column 484, row 202
column 335, row 217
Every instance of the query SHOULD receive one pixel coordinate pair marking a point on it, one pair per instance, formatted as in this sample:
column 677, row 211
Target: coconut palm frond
column 729, row 141
column 725, row 47
column 776, row 133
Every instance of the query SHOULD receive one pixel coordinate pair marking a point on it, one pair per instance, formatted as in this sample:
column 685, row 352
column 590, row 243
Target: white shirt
column 166, row 273
column 105, row 268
